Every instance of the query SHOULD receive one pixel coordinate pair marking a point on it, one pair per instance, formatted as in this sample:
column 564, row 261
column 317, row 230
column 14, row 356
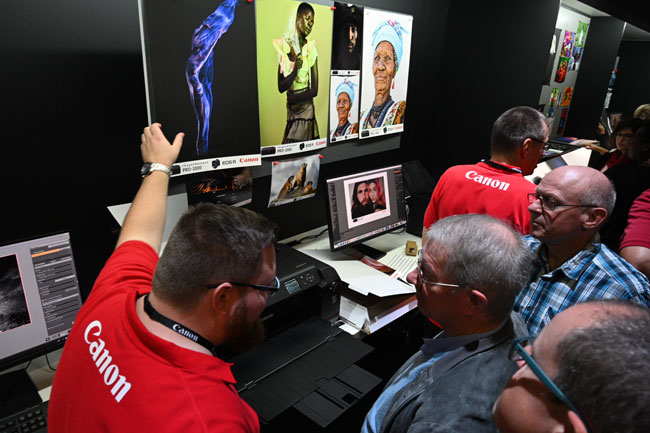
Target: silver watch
column 148, row 167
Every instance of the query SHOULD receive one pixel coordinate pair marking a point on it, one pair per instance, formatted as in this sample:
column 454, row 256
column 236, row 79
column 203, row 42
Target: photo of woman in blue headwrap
column 385, row 61
column 345, row 125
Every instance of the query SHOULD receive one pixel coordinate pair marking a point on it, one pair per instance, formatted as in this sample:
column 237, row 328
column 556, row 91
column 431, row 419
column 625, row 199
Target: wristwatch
column 148, row 167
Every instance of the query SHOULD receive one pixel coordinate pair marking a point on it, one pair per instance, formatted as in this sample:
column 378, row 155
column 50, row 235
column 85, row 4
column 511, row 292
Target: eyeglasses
column 427, row 282
column 550, row 204
column 545, row 143
column 518, row 353
column 274, row 287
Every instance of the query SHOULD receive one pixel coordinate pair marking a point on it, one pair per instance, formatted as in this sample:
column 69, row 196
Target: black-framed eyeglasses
column 545, row 143
column 550, row 204
column 518, row 353
column 427, row 282
column 273, row 287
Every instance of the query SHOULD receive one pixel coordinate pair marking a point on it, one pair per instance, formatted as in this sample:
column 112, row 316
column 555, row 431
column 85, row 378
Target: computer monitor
column 39, row 298
column 364, row 205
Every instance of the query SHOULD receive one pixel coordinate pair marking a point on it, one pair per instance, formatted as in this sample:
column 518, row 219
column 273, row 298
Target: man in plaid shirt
column 571, row 266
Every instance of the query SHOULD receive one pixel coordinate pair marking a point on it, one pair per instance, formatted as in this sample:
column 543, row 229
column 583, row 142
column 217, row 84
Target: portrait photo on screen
column 344, row 107
column 384, row 75
column 347, row 38
column 201, row 77
column 294, row 44
column 367, row 199
column 13, row 304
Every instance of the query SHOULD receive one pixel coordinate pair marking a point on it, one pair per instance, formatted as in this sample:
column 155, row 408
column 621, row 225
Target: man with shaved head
column 587, row 371
column 571, row 265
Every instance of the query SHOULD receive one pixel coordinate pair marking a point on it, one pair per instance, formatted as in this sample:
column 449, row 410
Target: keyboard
column 33, row 419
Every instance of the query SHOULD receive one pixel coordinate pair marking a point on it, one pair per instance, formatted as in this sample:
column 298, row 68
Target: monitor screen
column 364, row 205
column 39, row 297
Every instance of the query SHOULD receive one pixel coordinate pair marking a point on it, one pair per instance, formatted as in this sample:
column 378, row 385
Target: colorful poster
column 581, row 34
column 347, row 38
column 344, row 107
column 553, row 101
column 294, row 179
column 561, row 124
column 562, row 67
column 576, row 56
column 293, row 68
column 566, row 96
column 233, row 187
column 384, row 75
column 567, row 44
column 191, row 51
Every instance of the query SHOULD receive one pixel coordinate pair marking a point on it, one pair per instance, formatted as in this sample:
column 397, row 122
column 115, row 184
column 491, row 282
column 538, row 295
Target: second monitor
column 365, row 205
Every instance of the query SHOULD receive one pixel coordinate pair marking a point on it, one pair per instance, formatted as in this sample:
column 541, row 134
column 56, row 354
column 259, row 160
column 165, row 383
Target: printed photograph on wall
column 13, row 308
column 562, row 67
column 347, row 38
column 567, row 44
column 581, row 34
column 566, row 96
column 233, row 187
column 553, row 101
column 384, row 75
column 367, row 199
column 193, row 51
column 294, row 179
column 344, row 107
column 555, row 43
column 294, row 44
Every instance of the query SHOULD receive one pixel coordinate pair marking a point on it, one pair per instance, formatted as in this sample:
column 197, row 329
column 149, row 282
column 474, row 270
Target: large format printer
column 306, row 362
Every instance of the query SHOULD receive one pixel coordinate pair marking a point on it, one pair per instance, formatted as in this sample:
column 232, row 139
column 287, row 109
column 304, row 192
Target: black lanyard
column 501, row 166
column 177, row 327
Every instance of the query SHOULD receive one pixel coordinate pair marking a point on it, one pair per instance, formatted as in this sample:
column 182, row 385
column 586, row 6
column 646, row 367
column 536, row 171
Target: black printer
column 307, row 362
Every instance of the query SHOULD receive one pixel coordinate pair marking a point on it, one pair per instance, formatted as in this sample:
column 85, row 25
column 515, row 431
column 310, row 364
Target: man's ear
column 223, row 297
column 576, row 423
column 526, row 147
column 476, row 301
column 594, row 217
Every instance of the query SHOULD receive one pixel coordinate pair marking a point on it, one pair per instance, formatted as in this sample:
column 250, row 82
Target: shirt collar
column 572, row 268
column 441, row 343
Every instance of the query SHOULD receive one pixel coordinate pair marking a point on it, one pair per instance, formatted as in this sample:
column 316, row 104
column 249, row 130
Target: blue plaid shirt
column 596, row 272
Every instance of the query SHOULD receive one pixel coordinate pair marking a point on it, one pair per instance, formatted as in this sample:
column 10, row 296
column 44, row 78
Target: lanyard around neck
column 177, row 327
column 498, row 166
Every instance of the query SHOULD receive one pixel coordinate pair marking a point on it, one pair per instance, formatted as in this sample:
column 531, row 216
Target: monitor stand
column 369, row 251
column 17, row 392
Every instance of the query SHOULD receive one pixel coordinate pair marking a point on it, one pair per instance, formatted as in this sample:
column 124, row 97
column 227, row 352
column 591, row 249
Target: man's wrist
column 150, row 167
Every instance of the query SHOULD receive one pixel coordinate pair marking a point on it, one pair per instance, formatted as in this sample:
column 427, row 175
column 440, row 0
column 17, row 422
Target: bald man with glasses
column 586, row 372
column 571, row 265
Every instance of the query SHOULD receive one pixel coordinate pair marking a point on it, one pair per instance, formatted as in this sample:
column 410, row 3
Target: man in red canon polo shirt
column 141, row 355
column 497, row 186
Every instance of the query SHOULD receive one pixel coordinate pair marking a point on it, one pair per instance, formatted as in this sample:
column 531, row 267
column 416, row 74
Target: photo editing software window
column 40, row 295
column 365, row 205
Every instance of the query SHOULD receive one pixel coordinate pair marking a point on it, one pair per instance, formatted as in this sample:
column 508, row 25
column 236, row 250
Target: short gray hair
column 600, row 194
column 514, row 126
column 483, row 253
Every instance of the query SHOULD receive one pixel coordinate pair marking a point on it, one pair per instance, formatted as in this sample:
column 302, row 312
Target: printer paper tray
column 286, row 368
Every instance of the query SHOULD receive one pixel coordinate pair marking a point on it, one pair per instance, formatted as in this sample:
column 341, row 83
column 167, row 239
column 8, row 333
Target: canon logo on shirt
column 103, row 361
column 488, row 181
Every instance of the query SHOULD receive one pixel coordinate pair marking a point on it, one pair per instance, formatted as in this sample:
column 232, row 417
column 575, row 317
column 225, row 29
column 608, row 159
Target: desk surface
column 360, row 317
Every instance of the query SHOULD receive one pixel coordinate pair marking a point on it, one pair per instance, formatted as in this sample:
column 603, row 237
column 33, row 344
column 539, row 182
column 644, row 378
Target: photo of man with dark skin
column 298, row 76
column 347, row 37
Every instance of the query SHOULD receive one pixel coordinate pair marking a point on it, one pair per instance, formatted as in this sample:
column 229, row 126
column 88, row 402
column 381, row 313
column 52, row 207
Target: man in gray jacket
column 469, row 273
